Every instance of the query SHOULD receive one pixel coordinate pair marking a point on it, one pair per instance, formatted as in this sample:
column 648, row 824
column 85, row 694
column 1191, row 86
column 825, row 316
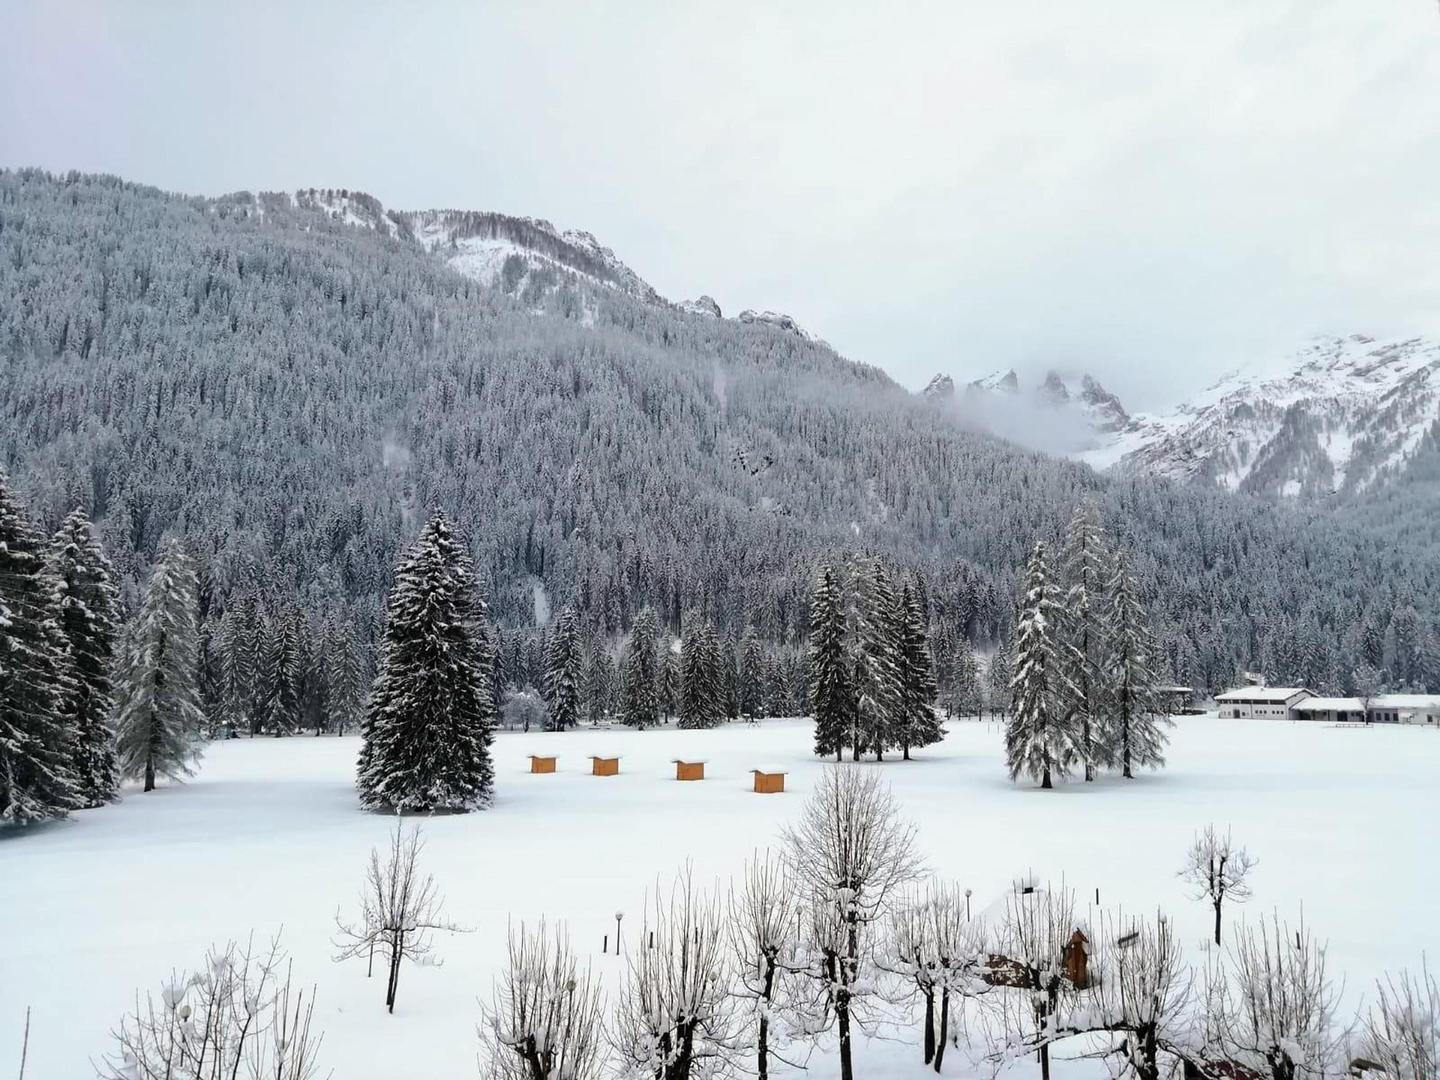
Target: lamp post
column 618, row 916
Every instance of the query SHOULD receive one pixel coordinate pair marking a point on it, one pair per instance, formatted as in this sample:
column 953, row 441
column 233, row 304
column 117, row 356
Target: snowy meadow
column 268, row 838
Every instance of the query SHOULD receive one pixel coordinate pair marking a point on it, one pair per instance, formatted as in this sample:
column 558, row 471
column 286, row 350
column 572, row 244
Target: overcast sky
column 1152, row 190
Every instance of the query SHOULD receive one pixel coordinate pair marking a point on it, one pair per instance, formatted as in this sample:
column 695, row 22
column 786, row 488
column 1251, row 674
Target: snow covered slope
column 1341, row 417
column 517, row 254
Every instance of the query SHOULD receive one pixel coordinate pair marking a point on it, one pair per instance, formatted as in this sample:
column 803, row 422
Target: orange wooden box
column 689, row 770
column 540, row 764
column 768, row 783
column 604, row 766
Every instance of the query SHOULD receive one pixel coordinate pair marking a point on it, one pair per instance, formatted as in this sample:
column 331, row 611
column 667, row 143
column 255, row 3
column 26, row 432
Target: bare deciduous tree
column 239, row 1016
column 1140, row 991
column 1402, row 1031
column 849, row 854
column 1032, row 942
column 938, row 950
column 1218, row 871
column 1270, row 1007
column 399, row 911
column 674, row 1019
column 763, row 928
column 544, row 1022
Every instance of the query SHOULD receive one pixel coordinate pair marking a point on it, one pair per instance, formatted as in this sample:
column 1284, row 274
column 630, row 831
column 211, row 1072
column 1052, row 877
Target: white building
column 1261, row 702
column 1331, row 710
column 1405, row 709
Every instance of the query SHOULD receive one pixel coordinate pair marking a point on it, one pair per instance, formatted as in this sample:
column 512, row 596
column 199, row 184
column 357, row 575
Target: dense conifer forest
column 293, row 396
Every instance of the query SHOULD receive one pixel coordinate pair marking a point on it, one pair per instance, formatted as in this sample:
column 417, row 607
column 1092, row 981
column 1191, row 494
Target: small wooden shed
column 604, row 766
column 689, row 770
column 768, row 783
column 1076, row 958
column 541, row 764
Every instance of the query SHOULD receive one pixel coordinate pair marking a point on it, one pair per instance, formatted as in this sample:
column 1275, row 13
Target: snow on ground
column 269, row 835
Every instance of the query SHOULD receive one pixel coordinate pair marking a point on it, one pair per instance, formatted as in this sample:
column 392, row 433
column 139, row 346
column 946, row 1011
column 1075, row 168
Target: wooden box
column 769, row 783
column 604, row 766
column 540, row 764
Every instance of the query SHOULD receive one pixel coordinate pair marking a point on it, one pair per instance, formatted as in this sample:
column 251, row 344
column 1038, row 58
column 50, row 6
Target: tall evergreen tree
column 1137, row 735
column 750, row 675
column 345, row 676
column 639, row 690
column 159, row 719
column 564, row 671
column 1000, row 675
column 89, row 619
column 1081, row 637
column 828, row 669
column 915, row 676
column 874, row 650
column 668, row 684
column 36, row 687
column 1037, row 739
column 281, row 676
column 599, row 676
column 965, row 681
column 701, row 688
column 237, row 664
column 430, row 720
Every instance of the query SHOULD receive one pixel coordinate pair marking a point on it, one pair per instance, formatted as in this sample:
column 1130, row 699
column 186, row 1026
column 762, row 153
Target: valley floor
column 268, row 836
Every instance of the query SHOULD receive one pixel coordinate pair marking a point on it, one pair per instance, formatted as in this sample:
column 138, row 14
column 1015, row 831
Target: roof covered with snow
column 1263, row 693
column 1406, row 701
column 1331, row 704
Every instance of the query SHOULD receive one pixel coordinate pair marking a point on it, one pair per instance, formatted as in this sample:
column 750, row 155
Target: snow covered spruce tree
column 999, row 696
column 281, row 675
column 564, row 668
column 874, row 651
column 430, row 719
column 159, row 719
column 639, row 701
column 1037, row 740
column 344, row 676
column 750, row 675
column 89, row 621
column 965, row 696
column 701, row 689
column 917, row 724
column 1082, row 642
column 827, row 670
column 36, row 687
column 1137, row 728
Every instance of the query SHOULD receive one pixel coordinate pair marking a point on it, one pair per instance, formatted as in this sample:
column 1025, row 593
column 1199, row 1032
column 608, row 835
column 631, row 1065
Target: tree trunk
column 907, row 752
column 150, row 772
column 1217, row 922
column 944, row 1027
column 929, row 1026
column 1045, row 778
column 842, row 1022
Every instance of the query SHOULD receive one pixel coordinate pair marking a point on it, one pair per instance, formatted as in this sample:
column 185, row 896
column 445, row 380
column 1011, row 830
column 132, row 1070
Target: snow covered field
column 269, row 836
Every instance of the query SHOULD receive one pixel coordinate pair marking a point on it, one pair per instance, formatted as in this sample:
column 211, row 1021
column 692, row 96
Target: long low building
column 1405, row 709
column 1261, row 702
column 1334, row 710
column 1298, row 703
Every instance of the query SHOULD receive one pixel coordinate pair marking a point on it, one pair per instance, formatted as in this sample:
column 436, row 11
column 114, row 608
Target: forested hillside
column 294, row 394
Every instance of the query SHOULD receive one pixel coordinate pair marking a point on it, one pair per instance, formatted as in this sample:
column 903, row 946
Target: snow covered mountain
column 1343, row 416
column 521, row 255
